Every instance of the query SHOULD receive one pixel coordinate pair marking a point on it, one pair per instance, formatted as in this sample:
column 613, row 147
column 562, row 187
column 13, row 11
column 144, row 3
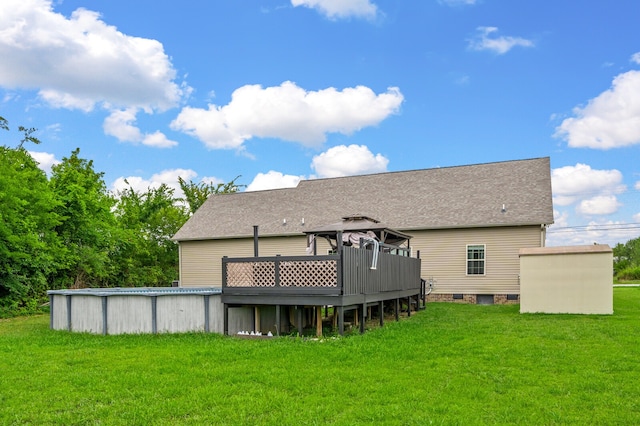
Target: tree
column 86, row 222
column 627, row 260
column 29, row 245
column 145, row 255
column 195, row 194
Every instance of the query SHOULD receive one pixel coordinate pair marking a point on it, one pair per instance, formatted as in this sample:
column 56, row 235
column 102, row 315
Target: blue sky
column 278, row 91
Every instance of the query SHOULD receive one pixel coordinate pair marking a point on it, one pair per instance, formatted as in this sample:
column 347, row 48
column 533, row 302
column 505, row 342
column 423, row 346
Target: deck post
column 381, row 312
column 299, row 310
column 341, row 320
column 256, row 318
column 409, row 306
column 319, row 321
column 397, row 309
column 363, row 317
column 225, row 321
column 277, row 320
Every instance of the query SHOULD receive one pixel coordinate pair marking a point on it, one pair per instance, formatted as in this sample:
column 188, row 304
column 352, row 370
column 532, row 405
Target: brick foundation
column 498, row 299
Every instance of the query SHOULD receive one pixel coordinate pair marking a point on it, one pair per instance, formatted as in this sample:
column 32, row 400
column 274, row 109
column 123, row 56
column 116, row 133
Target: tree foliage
column 145, row 254
column 627, row 260
column 69, row 231
column 195, row 194
column 86, row 222
column 29, row 246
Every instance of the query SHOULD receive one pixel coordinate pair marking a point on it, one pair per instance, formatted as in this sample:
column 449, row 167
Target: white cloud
column 560, row 219
column 637, row 185
column 273, row 180
column 45, row 160
column 80, row 61
column 599, row 205
column 499, row 45
column 636, row 58
column 337, row 9
column 287, row 112
column 601, row 232
column 610, row 120
column 572, row 184
column 347, row 161
column 167, row 177
column 158, row 140
column 120, row 124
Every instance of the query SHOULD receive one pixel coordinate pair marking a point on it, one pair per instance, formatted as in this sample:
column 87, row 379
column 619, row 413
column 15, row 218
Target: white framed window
column 476, row 259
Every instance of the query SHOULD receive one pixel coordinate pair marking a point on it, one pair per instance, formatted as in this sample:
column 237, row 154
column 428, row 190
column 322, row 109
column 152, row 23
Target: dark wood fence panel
column 392, row 272
column 349, row 274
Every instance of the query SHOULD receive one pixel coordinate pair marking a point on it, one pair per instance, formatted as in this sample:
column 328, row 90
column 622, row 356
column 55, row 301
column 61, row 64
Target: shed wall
column 577, row 283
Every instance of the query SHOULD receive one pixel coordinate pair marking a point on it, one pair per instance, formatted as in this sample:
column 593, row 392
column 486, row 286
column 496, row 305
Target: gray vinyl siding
column 444, row 257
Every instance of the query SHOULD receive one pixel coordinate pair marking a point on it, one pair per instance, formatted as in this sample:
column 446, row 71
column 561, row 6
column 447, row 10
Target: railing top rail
column 302, row 258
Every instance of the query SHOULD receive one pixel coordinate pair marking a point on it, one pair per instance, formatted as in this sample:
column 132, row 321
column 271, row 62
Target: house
column 468, row 223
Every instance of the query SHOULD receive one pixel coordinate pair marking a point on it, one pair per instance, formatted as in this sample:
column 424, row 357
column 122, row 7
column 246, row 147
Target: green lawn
column 449, row 364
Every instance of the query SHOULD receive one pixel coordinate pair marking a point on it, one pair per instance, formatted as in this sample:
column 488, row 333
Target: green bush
column 631, row 273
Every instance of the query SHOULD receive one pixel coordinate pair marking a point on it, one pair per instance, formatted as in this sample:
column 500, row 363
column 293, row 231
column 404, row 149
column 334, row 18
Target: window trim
column 484, row 260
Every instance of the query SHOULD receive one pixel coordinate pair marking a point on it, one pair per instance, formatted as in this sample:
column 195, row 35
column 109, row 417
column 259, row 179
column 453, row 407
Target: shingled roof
column 440, row 198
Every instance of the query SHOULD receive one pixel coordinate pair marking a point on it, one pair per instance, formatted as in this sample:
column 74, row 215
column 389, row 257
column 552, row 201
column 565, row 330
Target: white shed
column 574, row 279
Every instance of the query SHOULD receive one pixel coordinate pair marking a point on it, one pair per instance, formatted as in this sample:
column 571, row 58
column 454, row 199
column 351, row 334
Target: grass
column 450, row 364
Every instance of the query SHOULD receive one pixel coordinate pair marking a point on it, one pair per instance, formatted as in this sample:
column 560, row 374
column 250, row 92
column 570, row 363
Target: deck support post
column 278, row 320
column 363, row 317
column 409, row 306
column 299, row 310
column 397, row 310
column 381, row 312
column 225, row 321
column 256, row 319
column 319, row 321
column 340, row 320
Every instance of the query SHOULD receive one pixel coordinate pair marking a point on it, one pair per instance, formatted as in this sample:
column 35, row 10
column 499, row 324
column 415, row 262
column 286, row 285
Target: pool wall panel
column 129, row 314
column 86, row 314
column 59, row 312
column 179, row 314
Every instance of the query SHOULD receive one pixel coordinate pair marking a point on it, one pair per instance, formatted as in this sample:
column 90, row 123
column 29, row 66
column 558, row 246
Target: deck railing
column 345, row 274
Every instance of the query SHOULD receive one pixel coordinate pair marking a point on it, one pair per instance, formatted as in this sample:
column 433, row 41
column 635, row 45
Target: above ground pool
column 143, row 310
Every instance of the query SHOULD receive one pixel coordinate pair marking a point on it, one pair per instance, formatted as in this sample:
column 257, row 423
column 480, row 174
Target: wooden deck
column 345, row 281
